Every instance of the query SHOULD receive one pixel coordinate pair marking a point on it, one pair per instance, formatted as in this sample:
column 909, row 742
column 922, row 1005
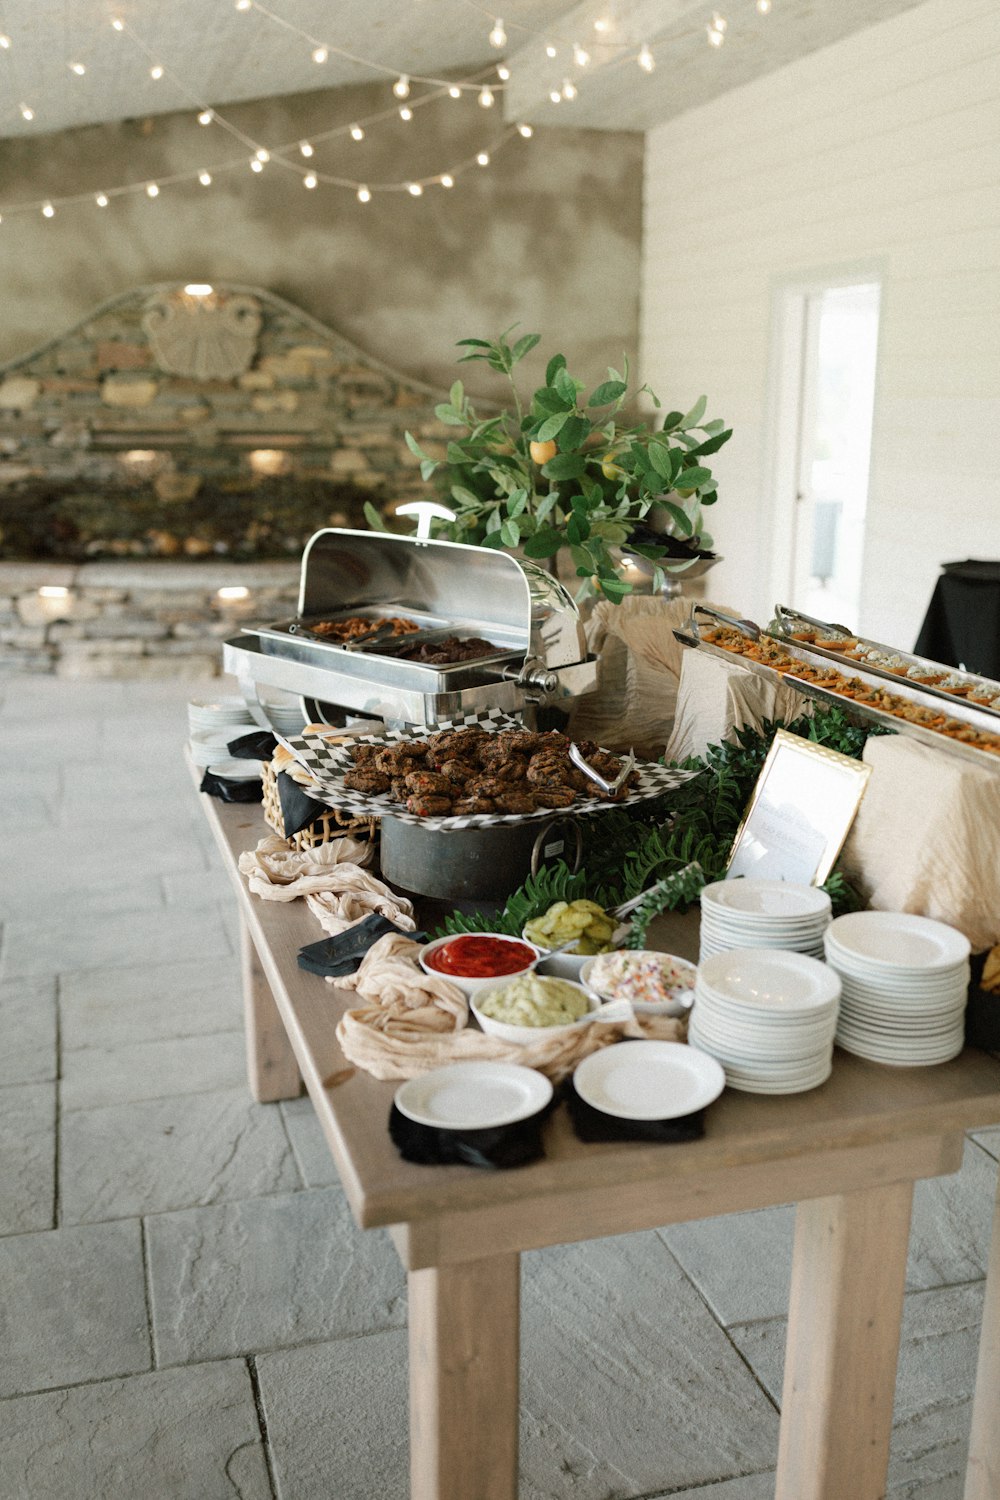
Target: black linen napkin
column 297, row 809
column 982, row 1017
column 497, row 1150
column 244, row 790
column 260, row 745
column 591, row 1124
column 342, row 953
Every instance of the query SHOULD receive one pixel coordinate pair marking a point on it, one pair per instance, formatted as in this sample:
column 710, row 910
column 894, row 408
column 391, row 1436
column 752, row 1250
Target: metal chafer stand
column 447, row 588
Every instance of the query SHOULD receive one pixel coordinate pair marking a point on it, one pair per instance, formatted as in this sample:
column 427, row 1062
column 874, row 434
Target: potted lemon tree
column 563, row 473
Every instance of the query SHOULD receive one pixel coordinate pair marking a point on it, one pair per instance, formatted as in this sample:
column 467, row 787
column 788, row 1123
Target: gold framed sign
column 801, row 811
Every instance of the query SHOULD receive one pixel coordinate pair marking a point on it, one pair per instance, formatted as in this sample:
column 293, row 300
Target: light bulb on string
column 568, row 89
column 305, row 149
column 719, row 22
column 414, row 189
column 255, row 165
column 483, row 159
column 117, row 24
column 156, row 72
column 555, row 96
column 27, row 113
column 262, row 155
column 320, row 54
column 357, row 134
column 401, row 88
column 716, row 30
column 763, row 7
column 205, row 178
column 206, row 117
column 580, row 56
column 486, row 98
column 101, row 200
column 364, row 194
column 77, row 68
column 152, row 190
column 526, row 131
column 243, row 4
column 600, row 25
column 48, row 210
column 446, row 180
column 310, row 180
column 646, row 60
column 454, row 92
column 4, row 41
column 498, row 37
column 551, row 51
column 503, row 72
column 406, row 113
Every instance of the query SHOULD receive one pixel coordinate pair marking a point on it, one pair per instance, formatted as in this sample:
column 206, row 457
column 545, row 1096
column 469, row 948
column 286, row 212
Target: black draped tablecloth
column 962, row 624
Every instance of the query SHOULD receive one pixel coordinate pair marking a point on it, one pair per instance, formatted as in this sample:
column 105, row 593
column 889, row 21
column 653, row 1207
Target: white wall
column 880, row 153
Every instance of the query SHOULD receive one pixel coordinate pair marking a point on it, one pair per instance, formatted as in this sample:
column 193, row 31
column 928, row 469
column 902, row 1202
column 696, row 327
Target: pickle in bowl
column 584, row 921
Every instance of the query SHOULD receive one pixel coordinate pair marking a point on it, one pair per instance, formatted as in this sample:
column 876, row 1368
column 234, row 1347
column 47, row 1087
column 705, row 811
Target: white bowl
column 470, row 985
column 567, row 965
column 525, row 1034
column 672, row 1006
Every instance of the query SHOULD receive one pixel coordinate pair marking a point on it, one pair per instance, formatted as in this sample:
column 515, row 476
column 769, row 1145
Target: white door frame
column 784, row 417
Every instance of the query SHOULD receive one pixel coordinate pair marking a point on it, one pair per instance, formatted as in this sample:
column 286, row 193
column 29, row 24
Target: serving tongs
column 576, row 756
column 784, row 618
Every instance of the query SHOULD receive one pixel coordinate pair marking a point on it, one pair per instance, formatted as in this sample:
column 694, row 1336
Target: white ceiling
column 214, row 54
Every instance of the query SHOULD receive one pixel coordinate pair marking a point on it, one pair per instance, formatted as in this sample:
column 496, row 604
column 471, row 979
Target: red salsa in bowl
column 480, row 956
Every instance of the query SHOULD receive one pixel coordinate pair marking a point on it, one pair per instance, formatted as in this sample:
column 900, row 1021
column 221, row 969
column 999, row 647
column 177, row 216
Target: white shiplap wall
column 878, row 154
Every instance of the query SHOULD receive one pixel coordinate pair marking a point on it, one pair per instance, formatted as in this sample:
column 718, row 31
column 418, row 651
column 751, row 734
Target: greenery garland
column 674, row 846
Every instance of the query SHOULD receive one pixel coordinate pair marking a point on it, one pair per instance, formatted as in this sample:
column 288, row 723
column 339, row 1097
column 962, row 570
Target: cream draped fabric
column 716, row 697
column 413, row 1022
column 337, row 890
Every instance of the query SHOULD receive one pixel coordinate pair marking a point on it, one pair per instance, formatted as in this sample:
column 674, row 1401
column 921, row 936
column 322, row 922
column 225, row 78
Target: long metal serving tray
column 688, row 635
column 788, row 618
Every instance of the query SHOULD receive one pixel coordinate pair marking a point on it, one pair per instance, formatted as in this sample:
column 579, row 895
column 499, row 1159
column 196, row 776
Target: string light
column 454, row 92
column 646, row 60
column 310, row 180
column 152, row 190
column 483, row 159
column 364, row 195
column 486, row 98
column 243, row 4
column 262, row 155
column 526, row 131
column 568, row 89
column 763, row 7
column 256, row 165
column 551, row 51
column 600, row 25
column 716, row 30
column 503, row 72
column 401, row 88
column 580, row 56
column 118, row 24
column 77, row 68
column 101, row 200
column 357, row 134
column 414, row 189
column 4, row 41
column 48, row 211
column 498, row 37
column 555, row 96
column 156, row 72
column 320, row 54
column 205, row 178
column 446, row 180
column 305, row 149
column 206, row 117
column 406, row 113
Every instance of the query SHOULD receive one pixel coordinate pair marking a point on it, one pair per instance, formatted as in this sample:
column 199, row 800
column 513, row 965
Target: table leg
column 272, row 1070
column 464, row 1346
column 848, row 1277
column 982, row 1481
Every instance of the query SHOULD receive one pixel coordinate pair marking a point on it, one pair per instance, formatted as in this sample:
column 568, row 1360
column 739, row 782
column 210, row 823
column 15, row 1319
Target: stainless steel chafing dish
column 445, row 588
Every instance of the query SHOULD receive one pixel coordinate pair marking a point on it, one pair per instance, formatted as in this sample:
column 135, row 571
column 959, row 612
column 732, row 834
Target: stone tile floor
column 186, row 1308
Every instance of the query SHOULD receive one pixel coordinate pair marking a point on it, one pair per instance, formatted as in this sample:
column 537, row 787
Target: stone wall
column 104, row 451
column 122, row 619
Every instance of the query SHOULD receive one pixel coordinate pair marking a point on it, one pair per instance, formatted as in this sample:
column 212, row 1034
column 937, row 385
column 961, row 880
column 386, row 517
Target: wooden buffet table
column 847, row 1154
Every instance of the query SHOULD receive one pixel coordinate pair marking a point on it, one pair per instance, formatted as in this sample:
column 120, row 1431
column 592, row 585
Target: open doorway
column 826, row 400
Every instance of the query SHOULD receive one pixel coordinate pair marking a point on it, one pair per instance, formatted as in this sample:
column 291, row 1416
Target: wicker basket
column 328, row 824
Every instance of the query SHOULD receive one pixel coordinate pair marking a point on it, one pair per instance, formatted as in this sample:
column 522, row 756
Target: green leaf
column 516, row 502
column 457, row 395
column 493, row 522
column 546, row 505
column 615, row 589
column 565, row 466
column 565, row 385
column 448, row 414
column 457, row 455
column 478, row 343
column 574, row 432
column 613, row 533
column 680, row 520
column 545, row 543
column 690, row 479
column 414, row 446
column 712, row 444
column 466, row 357
column 711, row 428
column 608, row 392
column 659, row 579
column 465, row 497
column 659, row 457
column 373, row 518
column 492, row 539
column 547, row 400
column 510, row 533
column 577, row 528
column 671, row 420
column 524, row 346
column 427, row 467
column 551, row 426
column 696, row 413
column 555, row 364
column 583, row 560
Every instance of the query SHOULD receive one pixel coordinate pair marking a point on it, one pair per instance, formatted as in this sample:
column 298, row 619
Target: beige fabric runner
column 337, row 890
column 716, row 697
column 927, row 837
column 414, row 1022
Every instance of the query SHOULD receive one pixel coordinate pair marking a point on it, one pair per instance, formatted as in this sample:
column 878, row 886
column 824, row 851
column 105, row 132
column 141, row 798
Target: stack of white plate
column 768, row 1016
column 763, row 914
column 212, row 723
column 286, row 718
column 905, row 983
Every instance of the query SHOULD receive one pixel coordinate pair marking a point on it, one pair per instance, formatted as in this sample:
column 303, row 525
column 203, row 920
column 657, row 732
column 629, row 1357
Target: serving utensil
column 576, row 756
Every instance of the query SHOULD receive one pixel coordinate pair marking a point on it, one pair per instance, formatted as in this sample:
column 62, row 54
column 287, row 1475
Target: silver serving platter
column 789, row 619
column 689, row 635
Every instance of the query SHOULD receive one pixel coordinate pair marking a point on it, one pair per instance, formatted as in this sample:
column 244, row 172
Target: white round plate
column 236, row 770
column 750, row 1086
column 649, row 1080
column 898, row 940
column 474, row 1095
column 770, row 979
column 768, row 899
